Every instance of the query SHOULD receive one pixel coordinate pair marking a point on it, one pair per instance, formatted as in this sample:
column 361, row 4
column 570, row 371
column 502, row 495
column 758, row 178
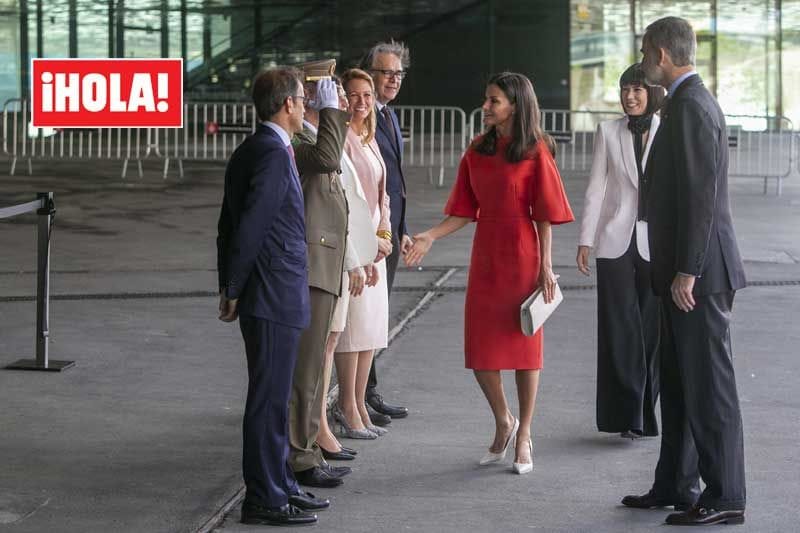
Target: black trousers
column 391, row 268
column 700, row 416
column 627, row 345
column 271, row 353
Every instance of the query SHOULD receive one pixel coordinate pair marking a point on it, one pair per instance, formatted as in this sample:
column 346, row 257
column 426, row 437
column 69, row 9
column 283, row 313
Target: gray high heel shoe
column 377, row 430
column 347, row 432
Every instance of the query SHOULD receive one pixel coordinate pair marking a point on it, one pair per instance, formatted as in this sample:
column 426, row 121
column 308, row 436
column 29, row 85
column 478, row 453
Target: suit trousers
column 271, row 351
column 391, row 267
column 700, row 416
column 627, row 345
column 305, row 406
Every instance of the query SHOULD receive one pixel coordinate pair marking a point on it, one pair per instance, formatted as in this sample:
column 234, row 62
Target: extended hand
column 326, row 95
column 227, row 308
column 583, row 260
column 422, row 244
column 681, row 289
column 357, row 280
column 547, row 281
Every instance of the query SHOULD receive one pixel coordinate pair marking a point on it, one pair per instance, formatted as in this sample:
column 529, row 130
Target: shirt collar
column 285, row 137
column 380, row 106
column 675, row 84
column 310, row 126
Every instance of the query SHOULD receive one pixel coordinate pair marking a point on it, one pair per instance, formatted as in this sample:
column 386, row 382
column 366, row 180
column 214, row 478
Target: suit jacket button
column 322, row 240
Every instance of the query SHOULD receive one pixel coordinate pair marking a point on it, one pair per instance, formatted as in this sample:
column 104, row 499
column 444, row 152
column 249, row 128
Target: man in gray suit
column 318, row 151
column 696, row 269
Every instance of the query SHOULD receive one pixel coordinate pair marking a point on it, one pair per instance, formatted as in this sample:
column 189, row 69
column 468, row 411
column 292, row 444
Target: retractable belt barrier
column 45, row 209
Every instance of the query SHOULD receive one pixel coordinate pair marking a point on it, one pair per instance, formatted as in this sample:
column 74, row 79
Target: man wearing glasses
column 387, row 64
column 261, row 259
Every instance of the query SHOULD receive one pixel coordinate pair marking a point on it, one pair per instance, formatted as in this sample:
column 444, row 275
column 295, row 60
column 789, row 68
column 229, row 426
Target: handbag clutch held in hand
column 534, row 311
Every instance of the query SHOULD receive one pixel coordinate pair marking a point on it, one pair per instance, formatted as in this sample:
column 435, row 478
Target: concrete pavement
column 144, row 433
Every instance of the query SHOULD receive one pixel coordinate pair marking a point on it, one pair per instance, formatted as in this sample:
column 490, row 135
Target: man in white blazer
column 614, row 224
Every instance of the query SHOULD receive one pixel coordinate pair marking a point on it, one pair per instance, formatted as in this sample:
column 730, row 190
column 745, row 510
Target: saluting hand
column 422, row 244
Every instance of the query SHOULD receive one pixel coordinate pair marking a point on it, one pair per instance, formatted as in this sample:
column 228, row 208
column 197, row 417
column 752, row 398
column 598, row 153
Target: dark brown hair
column 634, row 75
column 272, row 87
column 526, row 129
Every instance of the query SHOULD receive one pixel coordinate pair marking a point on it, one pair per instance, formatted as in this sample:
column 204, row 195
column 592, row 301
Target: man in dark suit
column 261, row 259
column 696, row 269
column 387, row 64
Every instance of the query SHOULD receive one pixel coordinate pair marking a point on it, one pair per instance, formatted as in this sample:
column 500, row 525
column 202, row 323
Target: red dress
column 504, row 198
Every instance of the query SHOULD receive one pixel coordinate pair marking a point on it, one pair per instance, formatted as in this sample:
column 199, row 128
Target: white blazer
column 611, row 203
column 362, row 244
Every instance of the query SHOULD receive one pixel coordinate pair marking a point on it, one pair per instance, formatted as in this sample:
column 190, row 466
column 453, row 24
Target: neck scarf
column 638, row 125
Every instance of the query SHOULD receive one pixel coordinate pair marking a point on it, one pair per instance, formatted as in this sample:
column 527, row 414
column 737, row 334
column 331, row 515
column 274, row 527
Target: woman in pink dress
column 507, row 181
column 368, row 315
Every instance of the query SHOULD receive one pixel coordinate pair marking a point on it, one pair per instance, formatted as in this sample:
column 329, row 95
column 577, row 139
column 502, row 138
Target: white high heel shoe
column 492, row 457
column 524, row 468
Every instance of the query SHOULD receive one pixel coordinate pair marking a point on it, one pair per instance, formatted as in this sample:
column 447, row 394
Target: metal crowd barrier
column 23, row 142
column 759, row 146
column 435, row 137
column 45, row 208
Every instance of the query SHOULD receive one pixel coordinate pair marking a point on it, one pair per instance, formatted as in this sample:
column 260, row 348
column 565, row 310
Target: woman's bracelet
column 384, row 234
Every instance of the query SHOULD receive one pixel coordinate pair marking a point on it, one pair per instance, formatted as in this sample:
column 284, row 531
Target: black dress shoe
column 378, row 419
column 306, row 501
column 351, row 451
column 375, row 401
column 337, row 456
column 705, row 516
column 287, row 515
column 650, row 500
column 335, row 471
column 317, row 477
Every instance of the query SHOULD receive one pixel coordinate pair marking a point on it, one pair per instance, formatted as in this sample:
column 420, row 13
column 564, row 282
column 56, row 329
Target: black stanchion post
column 42, row 362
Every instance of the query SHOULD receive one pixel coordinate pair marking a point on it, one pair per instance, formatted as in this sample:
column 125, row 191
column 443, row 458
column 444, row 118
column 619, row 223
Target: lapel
column 266, row 130
column 387, row 129
column 626, row 148
column 352, row 178
column 652, row 135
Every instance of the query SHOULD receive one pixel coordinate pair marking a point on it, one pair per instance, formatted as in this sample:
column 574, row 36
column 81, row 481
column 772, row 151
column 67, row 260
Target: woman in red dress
column 507, row 181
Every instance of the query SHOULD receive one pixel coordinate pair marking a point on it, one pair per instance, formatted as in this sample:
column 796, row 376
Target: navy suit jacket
column 689, row 215
column 392, row 153
column 261, row 242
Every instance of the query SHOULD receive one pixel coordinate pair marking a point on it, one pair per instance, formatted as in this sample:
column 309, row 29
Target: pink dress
column 367, row 325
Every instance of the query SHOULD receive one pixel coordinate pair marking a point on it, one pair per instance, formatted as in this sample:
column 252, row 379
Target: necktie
column 387, row 115
column 291, row 154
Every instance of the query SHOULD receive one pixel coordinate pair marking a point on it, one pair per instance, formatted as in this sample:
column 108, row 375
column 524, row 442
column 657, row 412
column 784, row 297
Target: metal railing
column 44, row 207
column 435, row 138
column 23, row 142
column 759, row 146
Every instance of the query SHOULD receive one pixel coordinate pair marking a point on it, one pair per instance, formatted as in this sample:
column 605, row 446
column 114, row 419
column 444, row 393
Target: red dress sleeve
column 549, row 202
column 462, row 201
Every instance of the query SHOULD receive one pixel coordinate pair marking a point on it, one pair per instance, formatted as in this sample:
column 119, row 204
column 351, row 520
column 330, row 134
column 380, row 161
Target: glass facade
column 748, row 52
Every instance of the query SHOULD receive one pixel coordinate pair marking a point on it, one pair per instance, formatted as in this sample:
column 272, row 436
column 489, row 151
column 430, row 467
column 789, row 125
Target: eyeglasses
column 304, row 98
column 399, row 74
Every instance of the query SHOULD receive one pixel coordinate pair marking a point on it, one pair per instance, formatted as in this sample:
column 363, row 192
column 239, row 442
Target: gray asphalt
column 144, row 433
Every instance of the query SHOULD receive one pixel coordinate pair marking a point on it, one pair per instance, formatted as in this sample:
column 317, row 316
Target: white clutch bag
column 534, row 311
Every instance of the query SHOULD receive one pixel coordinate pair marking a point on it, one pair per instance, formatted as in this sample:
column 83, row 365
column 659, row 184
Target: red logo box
column 107, row 93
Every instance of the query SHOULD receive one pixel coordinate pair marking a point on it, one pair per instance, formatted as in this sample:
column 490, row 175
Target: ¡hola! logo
column 107, row 93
